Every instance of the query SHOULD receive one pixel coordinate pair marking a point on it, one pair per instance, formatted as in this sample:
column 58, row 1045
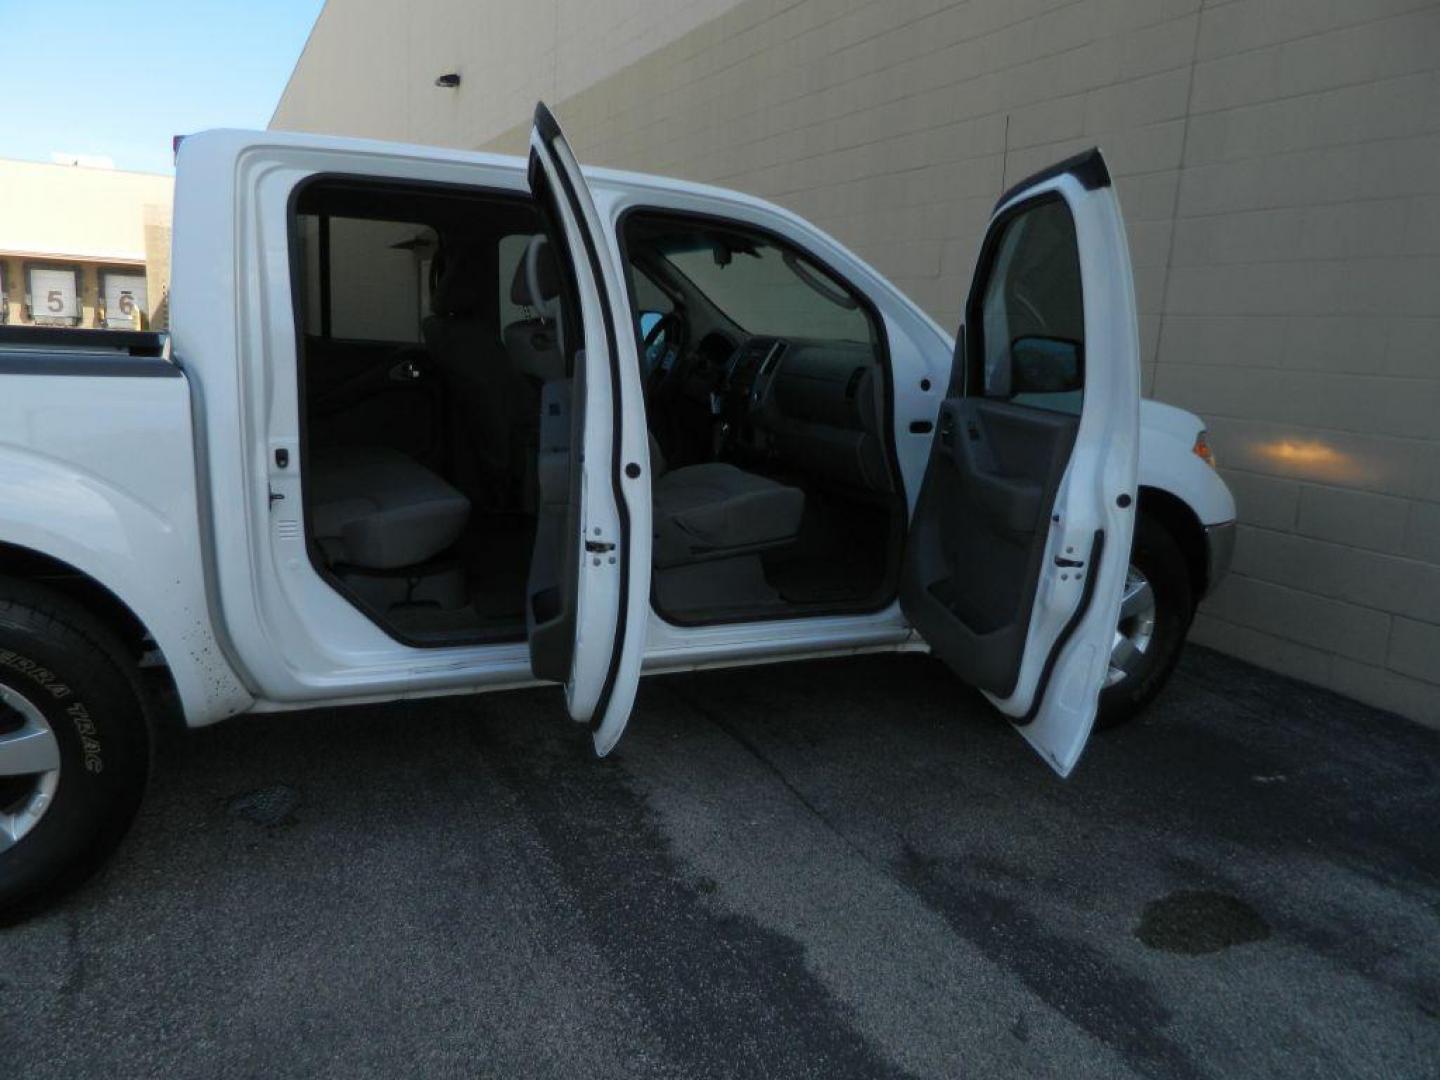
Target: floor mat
column 839, row 555
column 715, row 590
column 496, row 553
column 497, row 558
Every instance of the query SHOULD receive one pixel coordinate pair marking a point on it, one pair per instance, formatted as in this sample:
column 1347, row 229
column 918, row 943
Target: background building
column 1278, row 162
column 83, row 246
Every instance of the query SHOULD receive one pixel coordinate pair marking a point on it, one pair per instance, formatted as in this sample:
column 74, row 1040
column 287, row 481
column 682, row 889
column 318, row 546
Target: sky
column 118, row 80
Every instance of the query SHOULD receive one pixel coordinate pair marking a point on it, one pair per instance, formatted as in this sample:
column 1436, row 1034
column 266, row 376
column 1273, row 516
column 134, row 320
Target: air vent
column 774, row 358
column 853, row 386
column 287, row 529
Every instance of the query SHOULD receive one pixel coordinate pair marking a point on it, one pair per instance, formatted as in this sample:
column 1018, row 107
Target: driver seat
column 714, row 511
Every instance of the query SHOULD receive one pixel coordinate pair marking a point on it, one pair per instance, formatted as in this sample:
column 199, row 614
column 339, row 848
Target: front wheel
column 1155, row 616
column 74, row 746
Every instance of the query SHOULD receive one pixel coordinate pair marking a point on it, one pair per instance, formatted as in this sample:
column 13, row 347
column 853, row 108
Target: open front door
column 588, row 596
column 1021, row 536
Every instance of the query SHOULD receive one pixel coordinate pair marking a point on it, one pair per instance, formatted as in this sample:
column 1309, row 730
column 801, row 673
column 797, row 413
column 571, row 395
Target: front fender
column 108, row 488
column 1169, row 463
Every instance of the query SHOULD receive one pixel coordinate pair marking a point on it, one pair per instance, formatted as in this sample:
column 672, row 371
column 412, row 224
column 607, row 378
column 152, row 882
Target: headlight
column 1202, row 450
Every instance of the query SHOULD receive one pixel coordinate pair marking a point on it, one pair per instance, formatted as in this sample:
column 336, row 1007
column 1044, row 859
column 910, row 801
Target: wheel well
column 1185, row 528
column 44, row 569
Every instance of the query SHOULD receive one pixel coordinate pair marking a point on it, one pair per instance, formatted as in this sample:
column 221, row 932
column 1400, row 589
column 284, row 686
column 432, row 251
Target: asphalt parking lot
column 837, row 869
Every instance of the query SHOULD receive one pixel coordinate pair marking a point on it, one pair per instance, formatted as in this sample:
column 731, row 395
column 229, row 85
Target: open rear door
column 589, row 584
column 1021, row 536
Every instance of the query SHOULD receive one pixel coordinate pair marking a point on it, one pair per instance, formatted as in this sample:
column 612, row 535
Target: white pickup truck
column 431, row 422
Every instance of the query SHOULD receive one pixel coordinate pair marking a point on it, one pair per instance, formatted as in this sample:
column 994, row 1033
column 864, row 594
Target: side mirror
column 1046, row 365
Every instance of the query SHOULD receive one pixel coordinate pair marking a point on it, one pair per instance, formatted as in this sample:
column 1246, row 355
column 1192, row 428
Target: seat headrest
column 459, row 290
column 546, row 272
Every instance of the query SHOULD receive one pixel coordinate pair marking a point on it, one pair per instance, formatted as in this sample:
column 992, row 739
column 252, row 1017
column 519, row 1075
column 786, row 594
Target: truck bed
column 50, row 350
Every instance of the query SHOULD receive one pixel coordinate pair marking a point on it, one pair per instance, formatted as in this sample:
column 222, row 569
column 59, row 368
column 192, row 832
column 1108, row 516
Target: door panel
column 552, row 590
column 995, row 469
column 362, row 393
column 1021, row 534
column 589, row 600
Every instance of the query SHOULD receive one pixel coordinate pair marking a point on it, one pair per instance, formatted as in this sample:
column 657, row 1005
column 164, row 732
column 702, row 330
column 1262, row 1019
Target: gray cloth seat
column 533, row 343
column 715, row 510
column 492, row 406
column 375, row 508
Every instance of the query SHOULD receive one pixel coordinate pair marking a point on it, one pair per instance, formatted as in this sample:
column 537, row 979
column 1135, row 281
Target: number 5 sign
column 53, row 294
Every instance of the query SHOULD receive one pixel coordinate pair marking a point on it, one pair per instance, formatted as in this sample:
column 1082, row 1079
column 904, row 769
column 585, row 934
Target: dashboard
column 810, row 406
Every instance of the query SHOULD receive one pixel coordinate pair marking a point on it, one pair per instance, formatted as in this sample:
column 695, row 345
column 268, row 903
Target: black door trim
column 1097, row 548
column 1088, row 167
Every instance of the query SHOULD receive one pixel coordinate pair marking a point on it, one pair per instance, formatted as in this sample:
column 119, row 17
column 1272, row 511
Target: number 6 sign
column 124, row 300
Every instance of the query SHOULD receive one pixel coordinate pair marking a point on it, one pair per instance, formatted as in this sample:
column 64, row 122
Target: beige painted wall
column 93, row 219
column 1278, row 163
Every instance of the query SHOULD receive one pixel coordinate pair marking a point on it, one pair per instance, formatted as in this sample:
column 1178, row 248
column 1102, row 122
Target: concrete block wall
column 1278, row 162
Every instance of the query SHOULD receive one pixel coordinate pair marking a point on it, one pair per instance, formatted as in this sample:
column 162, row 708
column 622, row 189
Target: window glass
column 649, row 299
column 376, row 291
column 764, row 289
column 1032, row 315
column 651, row 305
column 375, row 280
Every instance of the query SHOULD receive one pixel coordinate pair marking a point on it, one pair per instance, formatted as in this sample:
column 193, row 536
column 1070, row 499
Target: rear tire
column 74, row 746
column 1160, row 562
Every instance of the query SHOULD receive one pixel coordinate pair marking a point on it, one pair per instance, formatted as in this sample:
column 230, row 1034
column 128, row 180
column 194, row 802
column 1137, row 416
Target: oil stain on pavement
column 1192, row 922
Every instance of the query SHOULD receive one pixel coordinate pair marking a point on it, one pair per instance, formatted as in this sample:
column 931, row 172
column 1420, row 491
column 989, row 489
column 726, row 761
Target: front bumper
column 1219, row 550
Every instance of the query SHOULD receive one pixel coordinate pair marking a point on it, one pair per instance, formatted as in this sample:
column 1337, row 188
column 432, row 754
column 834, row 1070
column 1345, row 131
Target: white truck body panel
column 1168, row 462
column 99, row 473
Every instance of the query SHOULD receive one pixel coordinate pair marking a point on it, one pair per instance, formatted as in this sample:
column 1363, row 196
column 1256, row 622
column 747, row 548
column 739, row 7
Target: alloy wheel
column 1136, row 629
column 29, row 766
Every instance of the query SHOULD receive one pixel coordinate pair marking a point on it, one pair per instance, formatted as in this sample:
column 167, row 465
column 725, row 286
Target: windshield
column 763, row 288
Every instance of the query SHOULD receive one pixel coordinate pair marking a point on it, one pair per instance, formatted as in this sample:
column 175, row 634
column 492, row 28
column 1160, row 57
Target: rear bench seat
column 376, row 509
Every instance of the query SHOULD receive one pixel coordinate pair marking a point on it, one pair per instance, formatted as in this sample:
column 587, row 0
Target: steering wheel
column 662, row 349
